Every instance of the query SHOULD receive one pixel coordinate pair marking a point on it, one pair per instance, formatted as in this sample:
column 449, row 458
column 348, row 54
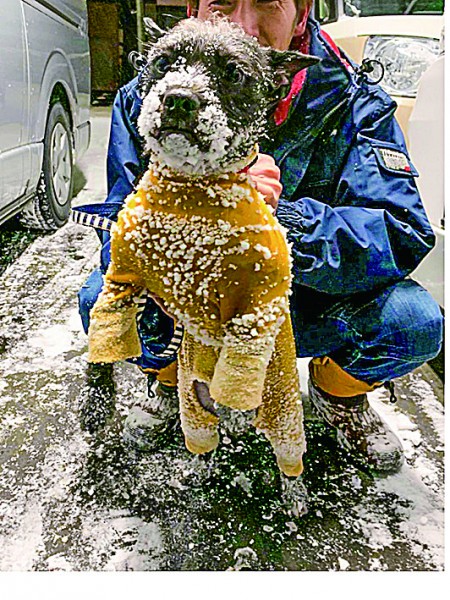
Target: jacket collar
column 319, row 85
column 317, row 42
column 301, row 44
column 328, row 88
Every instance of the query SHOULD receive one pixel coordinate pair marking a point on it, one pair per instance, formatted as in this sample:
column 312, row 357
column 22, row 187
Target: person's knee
column 395, row 333
column 434, row 329
column 415, row 321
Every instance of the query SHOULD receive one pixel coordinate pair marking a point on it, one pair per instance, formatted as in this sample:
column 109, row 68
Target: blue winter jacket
column 350, row 201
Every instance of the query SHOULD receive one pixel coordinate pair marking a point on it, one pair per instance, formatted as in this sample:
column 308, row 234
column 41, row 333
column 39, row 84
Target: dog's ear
column 285, row 64
column 137, row 60
column 153, row 31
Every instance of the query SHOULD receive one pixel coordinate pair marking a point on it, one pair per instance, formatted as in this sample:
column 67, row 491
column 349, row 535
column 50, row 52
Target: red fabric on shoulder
column 335, row 49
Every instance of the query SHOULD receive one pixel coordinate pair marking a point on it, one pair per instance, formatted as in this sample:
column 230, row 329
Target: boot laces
column 161, row 401
column 390, row 386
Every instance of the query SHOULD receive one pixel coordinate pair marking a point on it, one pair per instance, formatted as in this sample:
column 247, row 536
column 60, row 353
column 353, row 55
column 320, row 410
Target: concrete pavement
column 69, row 501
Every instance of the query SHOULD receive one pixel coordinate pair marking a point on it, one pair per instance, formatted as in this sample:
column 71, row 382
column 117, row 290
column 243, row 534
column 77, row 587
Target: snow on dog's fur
column 198, row 235
column 234, row 81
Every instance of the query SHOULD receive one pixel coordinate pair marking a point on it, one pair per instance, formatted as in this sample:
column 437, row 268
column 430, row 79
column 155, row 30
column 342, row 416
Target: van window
column 370, row 8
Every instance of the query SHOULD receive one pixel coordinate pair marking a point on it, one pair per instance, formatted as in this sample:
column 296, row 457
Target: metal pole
column 139, row 24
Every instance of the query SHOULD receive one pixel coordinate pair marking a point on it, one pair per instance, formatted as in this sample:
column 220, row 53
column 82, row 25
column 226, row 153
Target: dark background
column 113, row 34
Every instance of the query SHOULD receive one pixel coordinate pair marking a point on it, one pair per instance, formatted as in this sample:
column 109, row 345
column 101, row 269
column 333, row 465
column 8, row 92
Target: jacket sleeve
column 375, row 231
column 123, row 163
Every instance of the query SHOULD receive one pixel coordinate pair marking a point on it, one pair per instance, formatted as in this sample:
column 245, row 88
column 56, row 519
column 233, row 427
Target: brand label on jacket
column 394, row 160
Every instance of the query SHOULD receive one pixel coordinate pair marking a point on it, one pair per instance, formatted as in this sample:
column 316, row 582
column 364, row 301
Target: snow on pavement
column 72, row 502
column 47, row 523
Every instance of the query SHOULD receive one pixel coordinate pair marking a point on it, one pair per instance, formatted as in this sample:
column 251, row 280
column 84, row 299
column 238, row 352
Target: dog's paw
column 95, row 410
column 202, row 444
column 97, row 400
column 291, row 469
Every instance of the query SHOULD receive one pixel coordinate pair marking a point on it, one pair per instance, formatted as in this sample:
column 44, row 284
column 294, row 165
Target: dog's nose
column 182, row 102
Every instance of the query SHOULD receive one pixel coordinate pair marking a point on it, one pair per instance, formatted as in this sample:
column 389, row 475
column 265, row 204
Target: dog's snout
column 182, row 102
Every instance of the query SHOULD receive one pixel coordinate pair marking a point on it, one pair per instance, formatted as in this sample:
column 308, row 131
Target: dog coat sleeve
column 112, row 334
column 252, row 319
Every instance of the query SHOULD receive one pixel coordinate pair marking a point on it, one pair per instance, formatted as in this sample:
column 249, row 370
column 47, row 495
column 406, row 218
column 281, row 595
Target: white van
column 426, row 146
column 44, row 107
column 404, row 35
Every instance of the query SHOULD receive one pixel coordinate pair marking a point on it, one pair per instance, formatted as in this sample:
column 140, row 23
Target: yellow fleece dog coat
column 213, row 252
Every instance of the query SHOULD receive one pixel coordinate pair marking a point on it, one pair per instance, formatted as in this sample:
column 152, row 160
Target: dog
column 198, row 235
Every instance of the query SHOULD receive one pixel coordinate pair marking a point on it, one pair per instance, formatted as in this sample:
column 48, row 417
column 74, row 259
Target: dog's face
column 207, row 91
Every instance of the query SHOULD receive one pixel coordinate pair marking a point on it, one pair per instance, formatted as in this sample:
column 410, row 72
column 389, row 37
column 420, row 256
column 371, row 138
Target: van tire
column 50, row 207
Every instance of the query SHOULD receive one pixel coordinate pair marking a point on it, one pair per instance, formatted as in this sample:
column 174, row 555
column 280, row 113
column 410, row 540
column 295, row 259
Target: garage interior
column 115, row 29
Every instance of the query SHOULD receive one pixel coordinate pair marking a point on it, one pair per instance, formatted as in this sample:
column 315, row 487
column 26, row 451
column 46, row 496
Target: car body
column 402, row 34
column 44, row 106
column 426, row 146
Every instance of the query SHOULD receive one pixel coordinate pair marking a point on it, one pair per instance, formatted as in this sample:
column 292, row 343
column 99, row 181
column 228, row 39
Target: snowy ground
column 72, row 502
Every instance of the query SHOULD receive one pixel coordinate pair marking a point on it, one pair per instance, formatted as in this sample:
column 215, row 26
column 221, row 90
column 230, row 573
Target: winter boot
column 154, row 416
column 359, row 428
column 97, row 403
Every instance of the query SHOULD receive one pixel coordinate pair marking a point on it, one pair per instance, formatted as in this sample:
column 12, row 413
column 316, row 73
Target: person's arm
column 375, row 232
column 124, row 164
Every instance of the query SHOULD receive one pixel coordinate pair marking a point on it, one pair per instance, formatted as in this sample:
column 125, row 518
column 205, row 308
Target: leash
column 99, row 216
column 86, row 215
column 95, row 221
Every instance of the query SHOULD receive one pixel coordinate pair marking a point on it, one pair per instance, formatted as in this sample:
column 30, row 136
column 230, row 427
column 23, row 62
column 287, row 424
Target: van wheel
column 50, row 207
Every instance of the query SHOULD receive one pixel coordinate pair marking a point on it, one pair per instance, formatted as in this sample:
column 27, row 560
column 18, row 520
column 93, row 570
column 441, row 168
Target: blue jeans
column 374, row 337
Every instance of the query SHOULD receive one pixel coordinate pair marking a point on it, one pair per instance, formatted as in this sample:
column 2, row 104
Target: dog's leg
column 238, row 380
column 251, row 321
column 280, row 416
column 113, row 334
column 198, row 421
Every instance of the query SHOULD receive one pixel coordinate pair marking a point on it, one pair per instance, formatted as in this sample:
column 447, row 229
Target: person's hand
column 266, row 176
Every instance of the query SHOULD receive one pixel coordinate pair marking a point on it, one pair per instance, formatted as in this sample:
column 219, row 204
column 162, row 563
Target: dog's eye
column 234, row 74
column 161, row 65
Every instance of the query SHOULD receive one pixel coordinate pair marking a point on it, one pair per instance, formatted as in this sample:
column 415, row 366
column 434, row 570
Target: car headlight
column 405, row 59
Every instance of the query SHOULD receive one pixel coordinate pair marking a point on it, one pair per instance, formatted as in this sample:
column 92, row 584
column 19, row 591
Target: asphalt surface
column 73, row 502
